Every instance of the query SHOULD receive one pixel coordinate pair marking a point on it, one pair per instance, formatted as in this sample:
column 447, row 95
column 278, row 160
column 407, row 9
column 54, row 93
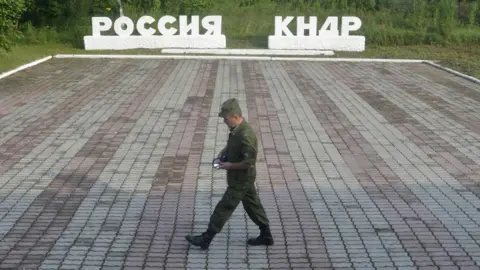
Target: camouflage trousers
column 247, row 194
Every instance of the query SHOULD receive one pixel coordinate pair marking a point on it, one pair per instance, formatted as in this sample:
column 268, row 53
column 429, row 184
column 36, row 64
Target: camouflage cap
column 230, row 106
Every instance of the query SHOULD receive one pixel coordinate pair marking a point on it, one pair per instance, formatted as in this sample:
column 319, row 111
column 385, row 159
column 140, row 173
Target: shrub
column 10, row 13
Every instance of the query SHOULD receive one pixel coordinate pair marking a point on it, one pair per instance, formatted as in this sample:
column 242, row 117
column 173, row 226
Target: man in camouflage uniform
column 240, row 158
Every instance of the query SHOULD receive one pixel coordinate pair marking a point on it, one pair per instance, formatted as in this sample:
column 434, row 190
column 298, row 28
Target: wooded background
column 385, row 22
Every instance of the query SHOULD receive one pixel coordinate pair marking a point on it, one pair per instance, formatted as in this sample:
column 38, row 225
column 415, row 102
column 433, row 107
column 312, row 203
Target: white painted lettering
column 161, row 25
column 302, row 26
column 329, row 36
column 141, row 26
column 156, row 33
column 350, row 23
column 281, row 26
column 124, row 26
column 194, row 26
column 329, row 28
column 332, row 23
column 100, row 24
column 213, row 25
column 120, row 22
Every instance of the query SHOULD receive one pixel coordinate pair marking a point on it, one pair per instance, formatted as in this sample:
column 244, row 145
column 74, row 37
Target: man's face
column 231, row 120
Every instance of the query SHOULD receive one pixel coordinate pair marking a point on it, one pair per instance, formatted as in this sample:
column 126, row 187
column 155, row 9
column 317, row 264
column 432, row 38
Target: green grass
column 24, row 54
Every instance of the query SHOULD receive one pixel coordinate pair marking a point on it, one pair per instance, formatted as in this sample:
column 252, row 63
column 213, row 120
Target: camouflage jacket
column 242, row 147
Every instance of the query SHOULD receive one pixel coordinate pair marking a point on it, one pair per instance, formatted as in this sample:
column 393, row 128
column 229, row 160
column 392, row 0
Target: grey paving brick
column 360, row 165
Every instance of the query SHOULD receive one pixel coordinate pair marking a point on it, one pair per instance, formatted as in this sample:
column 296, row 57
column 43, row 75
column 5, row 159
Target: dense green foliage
column 385, row 22
column 10, row 13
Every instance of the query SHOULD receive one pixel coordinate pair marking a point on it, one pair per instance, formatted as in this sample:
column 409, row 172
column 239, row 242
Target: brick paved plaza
column 107, row 164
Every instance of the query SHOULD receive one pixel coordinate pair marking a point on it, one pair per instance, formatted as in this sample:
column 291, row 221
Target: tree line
column 70, row 19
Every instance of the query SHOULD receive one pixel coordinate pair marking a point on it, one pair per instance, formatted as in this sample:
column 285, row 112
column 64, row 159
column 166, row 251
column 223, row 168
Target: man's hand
column 233, row 166
column 226, row 165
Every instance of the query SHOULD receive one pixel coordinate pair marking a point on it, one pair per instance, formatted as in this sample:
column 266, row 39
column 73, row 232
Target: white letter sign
column 213, row 25
column 302, row 26
column 328, row 37
column 281, row 26
column 141, row 26
column 185, row 27
column 100, row 24
column 330, row 27
column 120, row 22
column 347, row 25
column 156, row 33
column 162, row 25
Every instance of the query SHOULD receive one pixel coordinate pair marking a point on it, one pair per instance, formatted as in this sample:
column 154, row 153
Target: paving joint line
column 120, row 56
column 255, row 122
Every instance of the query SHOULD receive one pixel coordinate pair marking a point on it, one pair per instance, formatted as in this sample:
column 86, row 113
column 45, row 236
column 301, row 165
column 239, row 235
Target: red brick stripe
column 168, row 212
column 385, row 180
column 27, row 80
column 452, row 111
column 440, row 77
column 377, row 179
column 18, row 146
column 458, row 165
column 299, row 224
column 37, row 230
column 22, row 96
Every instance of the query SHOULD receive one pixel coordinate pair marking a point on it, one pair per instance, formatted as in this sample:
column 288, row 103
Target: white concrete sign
column 187, row 36
column 328, row 37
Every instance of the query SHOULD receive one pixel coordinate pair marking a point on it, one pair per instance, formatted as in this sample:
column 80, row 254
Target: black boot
column 265, row 238
column 203, row 240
